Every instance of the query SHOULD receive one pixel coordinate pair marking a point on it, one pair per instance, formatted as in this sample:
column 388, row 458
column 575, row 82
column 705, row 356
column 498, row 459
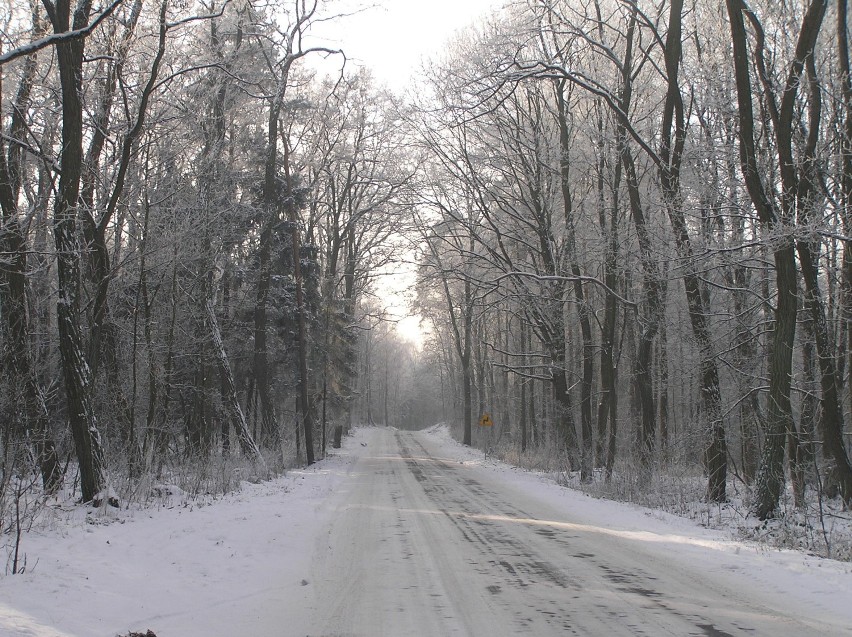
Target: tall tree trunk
column 522, row 418
column 831, row 422
column 467, row 370
column 807, row 204
column 652, row 314
column 652, row 286
column 29, row 413
column 746, row 340
column 663, row 390
column 480, row 375
column 609, row 231
column 846, row 175
column 810, row 402
column 272, row 205
column 75, row 367
column 583, row 311
column 301, row 308
column 386, row 394
column 268, row 422
column 779, row 419
column 507, row 391
column 671, row 153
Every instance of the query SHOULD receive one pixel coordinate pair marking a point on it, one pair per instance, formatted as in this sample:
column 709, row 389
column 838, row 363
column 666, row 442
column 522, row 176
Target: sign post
column 485, row 421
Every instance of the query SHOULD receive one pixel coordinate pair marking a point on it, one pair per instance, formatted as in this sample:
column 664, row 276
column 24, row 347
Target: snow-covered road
column 400, row 534
column 424, row 545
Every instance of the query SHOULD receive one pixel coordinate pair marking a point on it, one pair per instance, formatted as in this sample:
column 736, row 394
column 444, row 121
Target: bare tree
column 30, row 415
column 780, row 216
column 76, row 371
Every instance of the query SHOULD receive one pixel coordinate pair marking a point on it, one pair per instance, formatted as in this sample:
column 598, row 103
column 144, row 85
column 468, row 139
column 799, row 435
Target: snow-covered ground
column 246, row 563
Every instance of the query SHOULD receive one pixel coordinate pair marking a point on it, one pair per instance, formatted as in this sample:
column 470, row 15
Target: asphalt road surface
column 421, row 545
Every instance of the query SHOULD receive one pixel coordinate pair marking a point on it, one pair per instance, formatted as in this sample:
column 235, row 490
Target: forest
column 628, row 226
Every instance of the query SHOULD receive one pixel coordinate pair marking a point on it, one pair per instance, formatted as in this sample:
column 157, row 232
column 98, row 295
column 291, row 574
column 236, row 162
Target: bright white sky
column 392, row 37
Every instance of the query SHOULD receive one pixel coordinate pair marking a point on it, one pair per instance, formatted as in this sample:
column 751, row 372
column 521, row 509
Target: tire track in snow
column 422, row 545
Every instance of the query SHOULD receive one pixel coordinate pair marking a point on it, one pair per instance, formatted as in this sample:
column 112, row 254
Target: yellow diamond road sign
column 485, row 420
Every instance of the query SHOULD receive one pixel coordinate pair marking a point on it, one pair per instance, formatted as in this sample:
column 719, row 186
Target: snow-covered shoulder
column 785, row 578
column 219, row 569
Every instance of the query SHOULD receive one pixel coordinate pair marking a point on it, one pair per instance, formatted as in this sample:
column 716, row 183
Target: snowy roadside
column 237, row 566
column 799, row 580
column 242, row 564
